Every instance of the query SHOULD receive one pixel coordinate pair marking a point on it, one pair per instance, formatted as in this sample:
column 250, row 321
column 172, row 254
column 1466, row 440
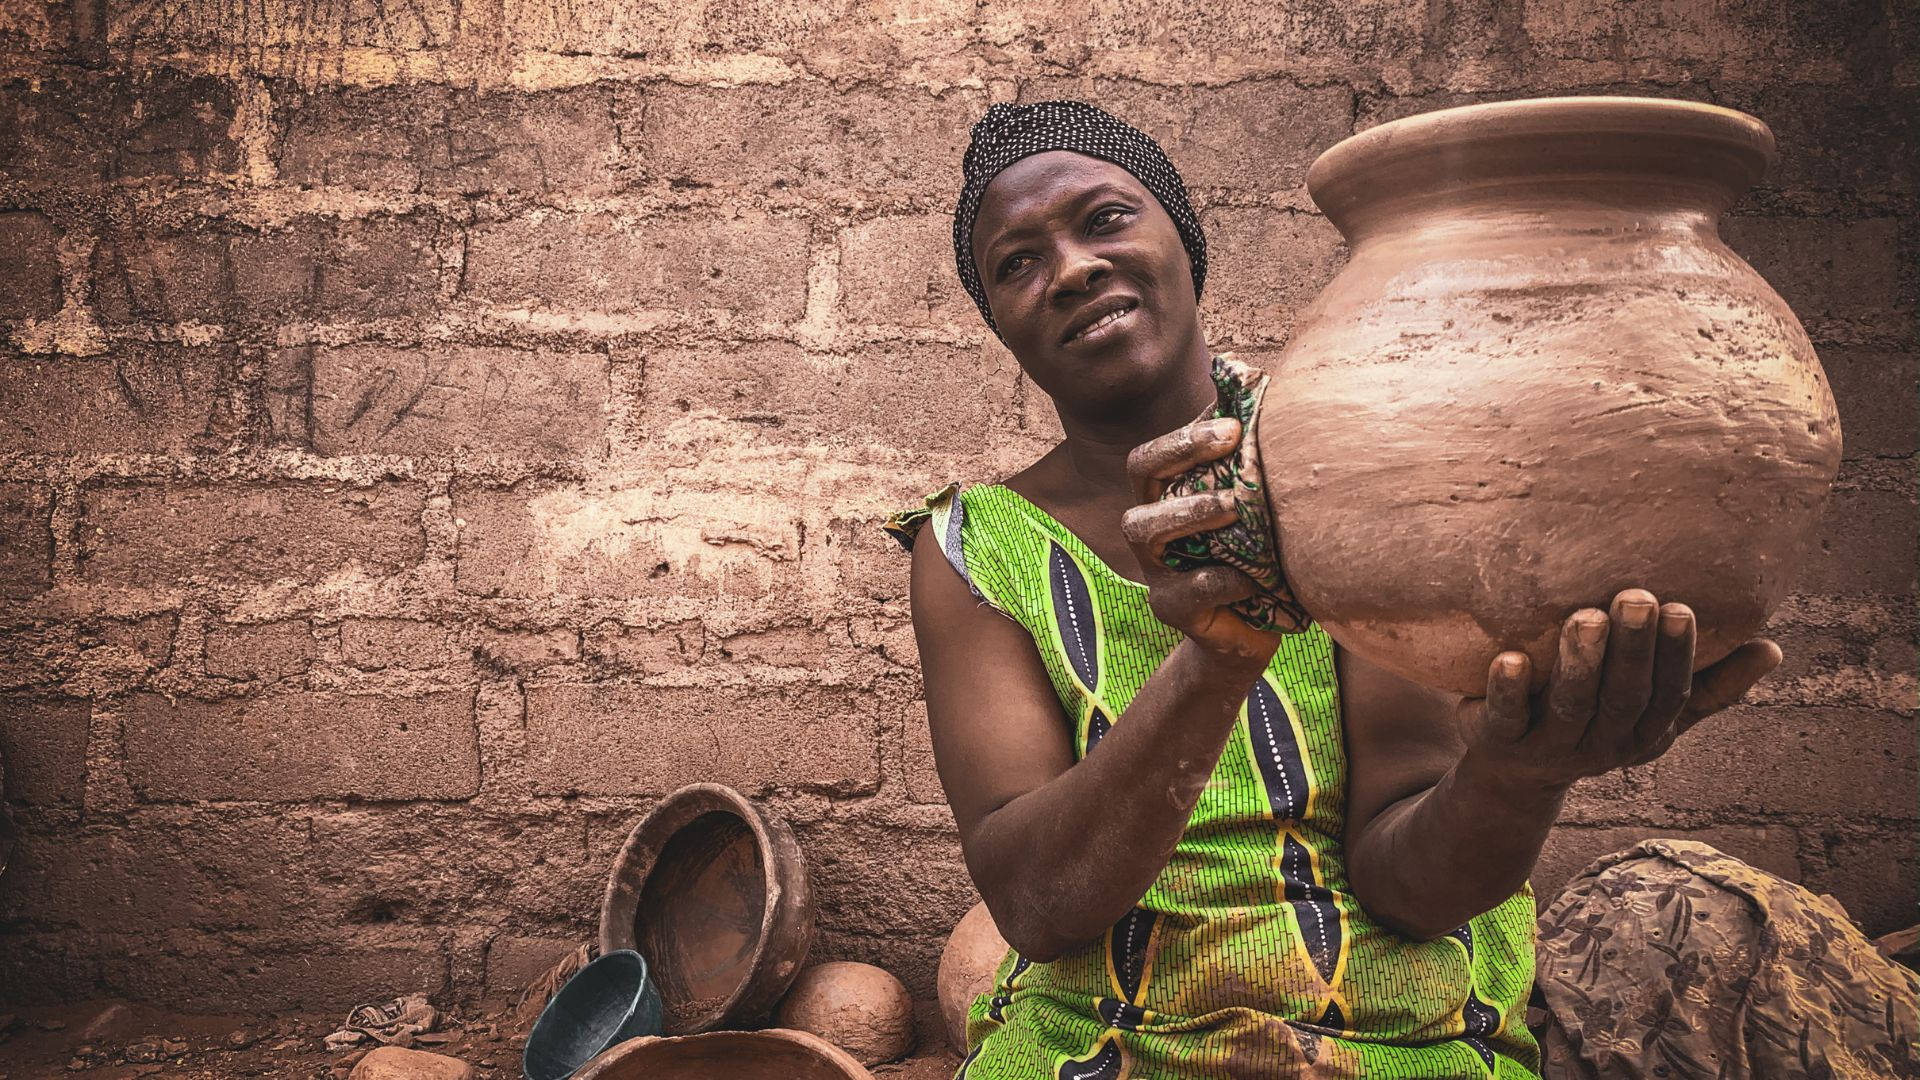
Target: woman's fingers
column 1152, row 526
column 1626, row 679
column 1673, row 674
column 1152, row 464
column 1728, row 681
column 1575, row 684
column 1509, row 712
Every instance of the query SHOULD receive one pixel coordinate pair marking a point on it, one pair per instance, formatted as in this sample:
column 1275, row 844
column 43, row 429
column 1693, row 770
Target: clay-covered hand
column 1191, row 601
column 1621, row 690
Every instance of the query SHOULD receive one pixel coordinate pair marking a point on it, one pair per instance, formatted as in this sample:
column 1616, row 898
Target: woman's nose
column 1079, row 270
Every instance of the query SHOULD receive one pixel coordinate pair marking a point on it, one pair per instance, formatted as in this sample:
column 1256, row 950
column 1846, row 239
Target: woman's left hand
column 1621, row 691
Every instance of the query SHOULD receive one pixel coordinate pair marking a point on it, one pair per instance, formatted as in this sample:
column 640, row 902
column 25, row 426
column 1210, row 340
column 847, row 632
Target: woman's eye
column 1014, row 265
column 1107, row 214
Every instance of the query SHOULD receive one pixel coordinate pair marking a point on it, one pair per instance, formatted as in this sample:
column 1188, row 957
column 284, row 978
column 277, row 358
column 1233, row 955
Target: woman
column 1217, row 851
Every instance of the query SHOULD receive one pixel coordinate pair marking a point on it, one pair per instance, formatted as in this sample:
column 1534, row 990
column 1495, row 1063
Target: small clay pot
column 857, row 1007
column 712, row 890
column 973, row 953
column 774, row 1054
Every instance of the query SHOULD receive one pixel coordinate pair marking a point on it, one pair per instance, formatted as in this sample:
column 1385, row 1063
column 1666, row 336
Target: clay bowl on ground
column 774, row 1054
column 712, row 890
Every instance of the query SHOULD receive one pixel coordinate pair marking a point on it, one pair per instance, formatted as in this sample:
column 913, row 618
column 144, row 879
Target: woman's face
column 1087, row 280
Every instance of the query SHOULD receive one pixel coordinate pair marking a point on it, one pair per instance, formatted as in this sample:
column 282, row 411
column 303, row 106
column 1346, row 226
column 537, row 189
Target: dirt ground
column 110, row 1040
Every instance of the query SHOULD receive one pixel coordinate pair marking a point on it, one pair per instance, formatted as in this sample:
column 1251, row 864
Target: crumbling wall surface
column 433, row 431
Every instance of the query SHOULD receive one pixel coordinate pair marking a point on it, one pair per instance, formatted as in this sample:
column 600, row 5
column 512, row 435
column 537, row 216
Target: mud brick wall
column 429, row 432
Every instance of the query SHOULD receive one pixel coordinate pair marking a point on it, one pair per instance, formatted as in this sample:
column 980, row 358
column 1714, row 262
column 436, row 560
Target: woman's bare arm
column 1061, row 851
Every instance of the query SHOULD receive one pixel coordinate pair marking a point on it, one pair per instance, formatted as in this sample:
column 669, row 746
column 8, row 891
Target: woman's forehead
column 1036, row 185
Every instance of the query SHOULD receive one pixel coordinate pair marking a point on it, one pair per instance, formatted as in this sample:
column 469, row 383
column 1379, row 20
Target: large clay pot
column 1542, row 378
column 712, row 890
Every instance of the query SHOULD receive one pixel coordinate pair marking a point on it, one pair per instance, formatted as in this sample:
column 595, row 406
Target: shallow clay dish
column 713, row 892
column 774, row 1054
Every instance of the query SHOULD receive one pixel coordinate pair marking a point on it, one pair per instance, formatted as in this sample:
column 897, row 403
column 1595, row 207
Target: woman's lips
column 1106, row 326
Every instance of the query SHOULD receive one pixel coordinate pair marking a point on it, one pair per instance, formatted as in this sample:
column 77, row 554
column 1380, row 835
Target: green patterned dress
column 1249, row 956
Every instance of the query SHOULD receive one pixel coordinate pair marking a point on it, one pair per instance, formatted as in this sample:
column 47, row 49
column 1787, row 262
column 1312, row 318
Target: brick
column 26, row 540
column 922, row 776
column 135, row 535
column 1263, row 268
column 152, row 877
column 886, row 880
column 1875, row 394
column 825, row 38
column 1782, row 760
column 1832, row 138
column 515, row 961
column 688, row 546
column 274, row 30
column 308, row 268
column 43, row 746
column 436, row 401
column 1256, row 136
column 1865, row 543
column 74, row 125
column 144, row 273
column 295, row 746
column 935, row 398
column 29, row 265
column 366, row 867
column 1687, row 34
column 429, row 138
column 618, row 739
column 752, row 264
column 139, row 399
column 260, row 650
column 221, row 971
column 527, row 650
column 1569, row 850
column 1185, row 38
column 880, row 142
column 402, row 643
column 779, row 646
column 316, row 269
column 1824, row 666
column 898, row 271
column 1824, row 269
column 644, row 650
column 32, row 27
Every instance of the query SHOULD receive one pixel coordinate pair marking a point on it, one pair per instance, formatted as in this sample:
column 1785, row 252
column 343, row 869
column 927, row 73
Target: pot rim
column 1582, row 135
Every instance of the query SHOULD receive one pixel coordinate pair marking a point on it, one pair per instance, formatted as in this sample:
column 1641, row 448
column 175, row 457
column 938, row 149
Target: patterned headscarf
column 1008, row 133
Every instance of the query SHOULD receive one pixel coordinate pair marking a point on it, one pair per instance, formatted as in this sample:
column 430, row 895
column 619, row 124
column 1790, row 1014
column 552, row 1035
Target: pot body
column 1540, row 379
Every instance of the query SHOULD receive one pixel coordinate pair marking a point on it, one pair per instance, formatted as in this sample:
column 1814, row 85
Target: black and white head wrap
column 1008, row 133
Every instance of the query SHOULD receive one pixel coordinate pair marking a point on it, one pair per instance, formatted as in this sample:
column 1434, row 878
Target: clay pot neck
column 1522, row 164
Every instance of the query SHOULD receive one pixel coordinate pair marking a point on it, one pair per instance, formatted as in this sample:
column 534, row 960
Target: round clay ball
column 857, row 1007
column 973, row 953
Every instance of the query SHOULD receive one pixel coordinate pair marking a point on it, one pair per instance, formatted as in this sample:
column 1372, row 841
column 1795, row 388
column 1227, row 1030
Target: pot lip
column 1746, row 138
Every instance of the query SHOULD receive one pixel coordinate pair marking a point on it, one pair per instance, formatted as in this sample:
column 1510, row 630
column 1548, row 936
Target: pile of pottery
column 704, row 933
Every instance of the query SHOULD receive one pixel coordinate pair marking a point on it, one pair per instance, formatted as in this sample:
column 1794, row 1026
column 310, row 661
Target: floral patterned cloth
column 1673, row 960
column 1248, row 544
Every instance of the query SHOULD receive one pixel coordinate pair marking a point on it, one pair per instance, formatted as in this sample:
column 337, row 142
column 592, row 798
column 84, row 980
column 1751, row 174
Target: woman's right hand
column 1193, row 602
